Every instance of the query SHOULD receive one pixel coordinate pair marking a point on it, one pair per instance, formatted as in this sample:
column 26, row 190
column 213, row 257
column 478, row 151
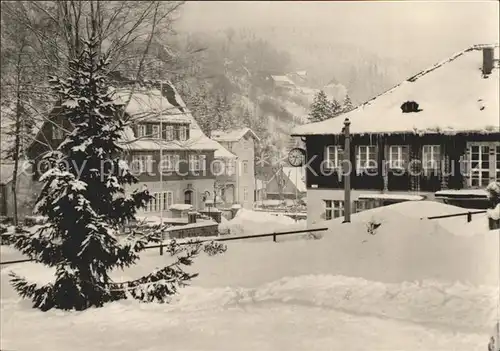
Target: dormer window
column 169, row 133
column 141, row 130
column 410, row 106
column 182, row 133
column 156, row 131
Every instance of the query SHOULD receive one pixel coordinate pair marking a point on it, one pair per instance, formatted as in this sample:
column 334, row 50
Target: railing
column 468, row 214
column 162, row 245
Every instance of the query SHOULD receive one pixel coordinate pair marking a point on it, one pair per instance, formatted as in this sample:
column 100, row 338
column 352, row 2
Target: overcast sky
column 386, row 28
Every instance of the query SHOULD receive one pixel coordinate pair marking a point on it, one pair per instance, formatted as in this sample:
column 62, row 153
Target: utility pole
column 162, row 193
column 347, row 172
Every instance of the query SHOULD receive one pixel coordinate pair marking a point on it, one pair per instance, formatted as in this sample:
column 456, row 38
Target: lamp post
column 162, row 193
column 347, row 172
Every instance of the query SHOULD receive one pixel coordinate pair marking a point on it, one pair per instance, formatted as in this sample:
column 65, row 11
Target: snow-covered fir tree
column 336, row 108
column 347, row 104
column 84, row 200
column 322, row 108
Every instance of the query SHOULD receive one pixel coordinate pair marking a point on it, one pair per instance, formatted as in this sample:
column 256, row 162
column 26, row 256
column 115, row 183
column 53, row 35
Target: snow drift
column 248, row 222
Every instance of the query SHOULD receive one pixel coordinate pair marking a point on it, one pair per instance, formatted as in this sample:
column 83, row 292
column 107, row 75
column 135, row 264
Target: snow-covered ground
column 411, row 285
column 248, row 222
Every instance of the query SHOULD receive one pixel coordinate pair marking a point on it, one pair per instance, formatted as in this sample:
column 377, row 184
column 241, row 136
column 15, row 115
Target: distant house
column 240, row 179
column 298, row 77
column 287, row 183
column 434, row 136
column 27, row 189
column 225, row 171
column 163, row 138
column 282, row 82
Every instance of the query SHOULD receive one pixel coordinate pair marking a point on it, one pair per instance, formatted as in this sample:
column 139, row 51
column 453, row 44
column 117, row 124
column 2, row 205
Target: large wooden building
column 434, row 136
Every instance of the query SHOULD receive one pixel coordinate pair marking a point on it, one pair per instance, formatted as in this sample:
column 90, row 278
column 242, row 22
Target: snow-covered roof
column 148, row 104
column 453, row 96
column 181, row 207
column 406, row 197
column 222, row 152
column 233, row 135
column 297, row 176
column 282, row 79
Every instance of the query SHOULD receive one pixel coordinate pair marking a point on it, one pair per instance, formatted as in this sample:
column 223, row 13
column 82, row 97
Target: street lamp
column 347, row 171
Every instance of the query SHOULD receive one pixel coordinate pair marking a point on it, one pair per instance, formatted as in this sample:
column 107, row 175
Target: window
column 197, row 162
column 161, row 201
column 245, row 194
column 142, row 163
column 170, row 162
column 366, row 157
column 245, row 167
column 57, row 132
column 156, row 131
column 141, row 130
column 333, row 209
column 169, row 133
column 188, row 197
column 497, row 176
column 431, row 154
column 217, row 167
column 183, row 133
column 479, row 156
column 334, row 156
column 398, row 156
column 230, row 167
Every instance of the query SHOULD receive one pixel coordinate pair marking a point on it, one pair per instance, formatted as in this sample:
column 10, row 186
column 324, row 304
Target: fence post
column 161, row 243
column 469, row 216
column 274, row 237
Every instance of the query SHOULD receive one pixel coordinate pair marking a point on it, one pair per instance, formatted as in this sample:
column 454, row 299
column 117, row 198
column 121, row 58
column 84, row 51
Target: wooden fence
column 274, row 235
column 162, row 245
column 468, row 214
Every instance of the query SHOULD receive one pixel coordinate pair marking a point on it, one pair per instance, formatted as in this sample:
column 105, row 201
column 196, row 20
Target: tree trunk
column 17, row 147
column 17, row 134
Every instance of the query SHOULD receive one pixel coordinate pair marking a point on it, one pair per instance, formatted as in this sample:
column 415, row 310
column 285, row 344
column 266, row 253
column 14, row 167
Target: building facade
column 241, row 178
column 163, row 147
column 434, row 136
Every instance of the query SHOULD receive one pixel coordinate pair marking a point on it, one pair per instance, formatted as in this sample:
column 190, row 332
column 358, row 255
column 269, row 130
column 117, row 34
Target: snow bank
column 419, row 209
column 494, row 213
column 248, row 222
column 409, row 269
column 456, row 306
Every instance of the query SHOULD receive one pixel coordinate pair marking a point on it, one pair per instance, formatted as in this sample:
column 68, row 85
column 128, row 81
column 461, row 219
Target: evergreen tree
column 322, row 108
column 85, row 203
column 336, row 108
column 347, row 104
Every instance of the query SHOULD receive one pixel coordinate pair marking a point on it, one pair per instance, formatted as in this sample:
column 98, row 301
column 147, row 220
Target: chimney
column 487, row 60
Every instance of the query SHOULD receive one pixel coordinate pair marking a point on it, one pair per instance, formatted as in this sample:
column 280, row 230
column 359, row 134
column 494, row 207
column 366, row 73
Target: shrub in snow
column 372, row 226
column 85, row 204
column 493, row 213
column 493, row 190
